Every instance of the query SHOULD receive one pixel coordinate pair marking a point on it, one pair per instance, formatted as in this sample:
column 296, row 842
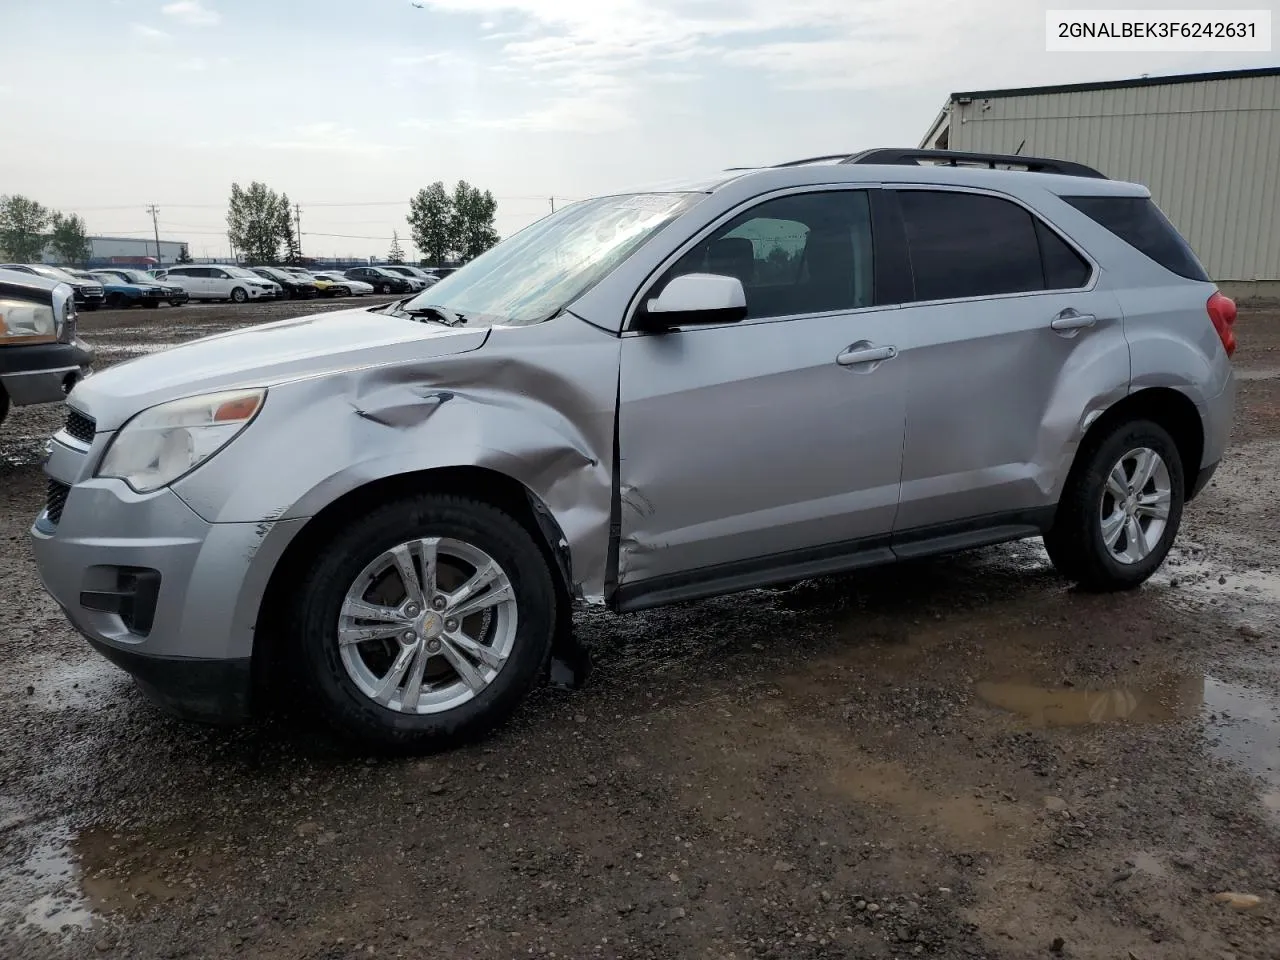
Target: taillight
column 1222, row 311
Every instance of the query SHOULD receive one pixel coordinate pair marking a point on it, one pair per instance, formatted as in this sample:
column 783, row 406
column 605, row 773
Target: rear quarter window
column 1138, row 222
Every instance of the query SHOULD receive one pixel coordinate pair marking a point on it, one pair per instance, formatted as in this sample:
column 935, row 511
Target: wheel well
column 1171, row 410
column 492, row 487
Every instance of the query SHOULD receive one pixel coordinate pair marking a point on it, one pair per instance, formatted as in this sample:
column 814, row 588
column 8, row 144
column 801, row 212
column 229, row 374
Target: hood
column 265, row 355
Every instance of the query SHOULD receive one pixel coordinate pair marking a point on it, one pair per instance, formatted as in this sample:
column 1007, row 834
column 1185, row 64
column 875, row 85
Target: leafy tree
column 473, row 230
column 184, row 256
column 253, row 222
column 289, row 238
column 23, row 224
column 396, row 253
column 69, row 239
column 431, row 223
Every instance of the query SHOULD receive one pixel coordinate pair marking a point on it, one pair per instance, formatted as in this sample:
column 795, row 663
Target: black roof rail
column 954, row 158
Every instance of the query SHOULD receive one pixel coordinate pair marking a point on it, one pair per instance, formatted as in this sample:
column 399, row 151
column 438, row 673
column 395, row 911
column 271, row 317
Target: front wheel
column 1120, row 510
column 424, row 623
column 384, row 288
column 238, row 295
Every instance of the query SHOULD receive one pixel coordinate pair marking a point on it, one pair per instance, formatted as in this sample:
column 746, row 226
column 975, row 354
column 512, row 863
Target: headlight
column 21, row 320
column 168, row 441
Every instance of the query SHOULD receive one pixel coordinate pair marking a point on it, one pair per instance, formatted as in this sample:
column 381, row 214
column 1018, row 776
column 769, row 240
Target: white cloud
column 148, row 32
column 192, row 12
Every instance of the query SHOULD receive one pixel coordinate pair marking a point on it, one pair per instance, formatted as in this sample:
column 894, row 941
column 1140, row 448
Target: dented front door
column 757, row 440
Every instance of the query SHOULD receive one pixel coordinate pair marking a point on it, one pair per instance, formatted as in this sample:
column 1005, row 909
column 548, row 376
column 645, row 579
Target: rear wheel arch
column 490, row 486
column 1171, row 409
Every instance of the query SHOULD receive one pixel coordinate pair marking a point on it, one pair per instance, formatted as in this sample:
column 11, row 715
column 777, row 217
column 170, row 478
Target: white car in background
column 222, row 281
column 358, row 288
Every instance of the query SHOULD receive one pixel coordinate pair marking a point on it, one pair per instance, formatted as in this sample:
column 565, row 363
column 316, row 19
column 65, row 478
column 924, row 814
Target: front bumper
column 44, row 372
column 158, row 590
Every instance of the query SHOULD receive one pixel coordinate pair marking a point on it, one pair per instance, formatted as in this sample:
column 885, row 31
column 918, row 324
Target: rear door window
column 1138, row 222
column 969, row 245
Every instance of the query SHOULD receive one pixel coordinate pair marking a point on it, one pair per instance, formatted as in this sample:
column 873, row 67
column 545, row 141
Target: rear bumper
column 209, row 691
column 42, row 373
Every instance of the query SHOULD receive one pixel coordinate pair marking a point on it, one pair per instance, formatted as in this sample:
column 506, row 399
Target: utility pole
column 155, row 225
column 297, row 220
column 553, row 204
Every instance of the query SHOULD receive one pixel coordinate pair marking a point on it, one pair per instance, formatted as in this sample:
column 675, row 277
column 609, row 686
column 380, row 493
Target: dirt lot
column 956, row 758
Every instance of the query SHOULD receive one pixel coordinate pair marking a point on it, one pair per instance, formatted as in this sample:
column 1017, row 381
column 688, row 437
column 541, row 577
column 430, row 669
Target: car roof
column 31, row 281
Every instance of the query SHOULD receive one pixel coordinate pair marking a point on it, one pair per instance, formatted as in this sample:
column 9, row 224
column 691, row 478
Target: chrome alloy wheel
column 1135, row 505
column 427, row 625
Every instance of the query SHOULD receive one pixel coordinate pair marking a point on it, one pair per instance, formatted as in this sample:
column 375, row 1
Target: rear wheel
column 1120, row 510
column 238, row 295
column 425, row 622
column 115, row 301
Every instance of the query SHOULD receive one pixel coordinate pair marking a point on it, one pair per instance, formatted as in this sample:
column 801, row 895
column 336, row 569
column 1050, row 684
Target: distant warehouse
column 135, row 251
column 1206, row 144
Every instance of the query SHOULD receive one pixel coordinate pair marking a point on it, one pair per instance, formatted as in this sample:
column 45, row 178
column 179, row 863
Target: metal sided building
column 1207, row 145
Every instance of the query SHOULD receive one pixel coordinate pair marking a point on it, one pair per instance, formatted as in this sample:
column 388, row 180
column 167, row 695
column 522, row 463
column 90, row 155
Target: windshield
column 136, row 276
column 52, row 272
column 533, row 275
column 242, row 273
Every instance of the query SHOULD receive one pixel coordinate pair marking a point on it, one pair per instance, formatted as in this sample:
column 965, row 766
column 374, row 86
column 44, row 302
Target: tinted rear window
column 1139, row 222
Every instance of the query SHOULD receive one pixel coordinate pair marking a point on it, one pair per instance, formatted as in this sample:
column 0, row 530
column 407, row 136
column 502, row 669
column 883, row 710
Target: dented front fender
column 536, row 404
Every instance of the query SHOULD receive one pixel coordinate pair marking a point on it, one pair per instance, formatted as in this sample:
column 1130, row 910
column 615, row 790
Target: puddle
column 66, row 686
column 1242, row 723
column 70, row 880
column 1197, row 582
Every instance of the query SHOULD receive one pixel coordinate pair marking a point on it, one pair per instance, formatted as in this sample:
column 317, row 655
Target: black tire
column 384, row 288
column 319, row 596
column 176, row 303
column 238, row 295
column 4, row 404
column 115, row 301
column 1075, row 544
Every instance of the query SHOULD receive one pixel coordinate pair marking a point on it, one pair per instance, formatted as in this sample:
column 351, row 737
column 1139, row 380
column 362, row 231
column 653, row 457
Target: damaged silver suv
column 639, row 400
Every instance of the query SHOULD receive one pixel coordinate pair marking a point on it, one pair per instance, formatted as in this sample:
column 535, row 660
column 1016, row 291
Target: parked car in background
column 384, row 281
column 222, row 281
column 293, row 286
column 174, row 294
column 326, row 286
column 412, row 273
column 41, row 358
column 89, row 294
column 121, row 295
column 358, row 288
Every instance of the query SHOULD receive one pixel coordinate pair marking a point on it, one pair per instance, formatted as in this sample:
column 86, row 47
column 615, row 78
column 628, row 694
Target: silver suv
column 641, row 399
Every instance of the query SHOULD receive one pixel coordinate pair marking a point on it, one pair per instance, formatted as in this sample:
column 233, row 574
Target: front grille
column 56, row 500
column 80, row 426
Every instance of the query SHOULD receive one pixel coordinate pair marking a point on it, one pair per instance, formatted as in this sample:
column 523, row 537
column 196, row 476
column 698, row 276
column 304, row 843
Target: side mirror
column 695, row 299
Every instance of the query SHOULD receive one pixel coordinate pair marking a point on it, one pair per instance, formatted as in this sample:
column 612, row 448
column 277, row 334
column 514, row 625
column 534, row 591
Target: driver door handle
column 1071, row 320
column 865, row 353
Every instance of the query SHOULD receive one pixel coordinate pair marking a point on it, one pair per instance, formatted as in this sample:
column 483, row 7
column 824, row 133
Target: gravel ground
column 954, row 758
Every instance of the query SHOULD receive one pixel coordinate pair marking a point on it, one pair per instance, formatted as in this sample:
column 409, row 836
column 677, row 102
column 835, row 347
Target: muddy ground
column 954, row 758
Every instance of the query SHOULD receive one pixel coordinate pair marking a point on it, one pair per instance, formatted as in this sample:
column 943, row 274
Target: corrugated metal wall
column 1209, row 152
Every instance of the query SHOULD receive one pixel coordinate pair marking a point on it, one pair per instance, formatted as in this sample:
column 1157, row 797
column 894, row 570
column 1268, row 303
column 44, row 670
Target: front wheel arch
column 490, row 486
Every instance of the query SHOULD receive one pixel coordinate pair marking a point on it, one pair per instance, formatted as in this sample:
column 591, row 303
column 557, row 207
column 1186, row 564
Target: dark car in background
column 173, row 293
column 383, row 280
column 414, row 273
column 41, row 358
column 121, row 295
column 89, row 293
column 293, row 286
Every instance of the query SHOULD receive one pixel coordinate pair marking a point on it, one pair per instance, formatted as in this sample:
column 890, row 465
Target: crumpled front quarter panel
column 535, row 403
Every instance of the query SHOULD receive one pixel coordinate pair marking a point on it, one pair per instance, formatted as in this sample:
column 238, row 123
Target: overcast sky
column 350, row 107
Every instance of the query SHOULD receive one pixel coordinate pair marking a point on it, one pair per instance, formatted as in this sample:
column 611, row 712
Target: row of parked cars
column 120, row 287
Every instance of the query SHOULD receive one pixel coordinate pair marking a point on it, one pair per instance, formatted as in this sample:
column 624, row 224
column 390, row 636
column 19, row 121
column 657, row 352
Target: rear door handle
column 1071, row 320
column 865, row 353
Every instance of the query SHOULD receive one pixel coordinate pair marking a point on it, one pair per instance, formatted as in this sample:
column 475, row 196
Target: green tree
column 289, row 238
column 473, row 230
column 70, row 239
column 396, row 253
column 253, row 222
column 431, row 223
column 184, row 255
column 23, row 225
